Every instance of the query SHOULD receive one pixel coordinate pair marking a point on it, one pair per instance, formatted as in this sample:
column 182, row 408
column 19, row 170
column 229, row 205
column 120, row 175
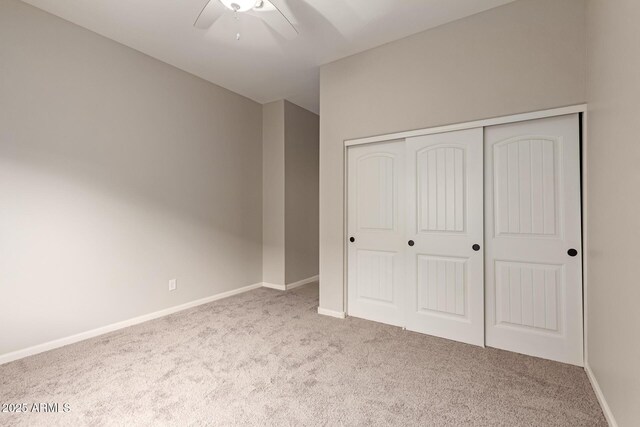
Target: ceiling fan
column 267, row 10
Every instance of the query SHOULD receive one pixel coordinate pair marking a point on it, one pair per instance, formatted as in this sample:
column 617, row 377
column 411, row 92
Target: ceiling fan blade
column 210, row 14
column 273, row 16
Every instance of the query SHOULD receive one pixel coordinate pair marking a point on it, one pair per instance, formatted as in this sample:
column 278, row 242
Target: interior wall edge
column 613, row 79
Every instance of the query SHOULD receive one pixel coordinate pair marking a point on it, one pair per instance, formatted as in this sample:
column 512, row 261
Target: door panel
column 526, row 173
column 527, row 295
column 375, row 275
column 443, row 285
column 441, row 189
column 534, row 288
column 444, row 220
column 376, row 207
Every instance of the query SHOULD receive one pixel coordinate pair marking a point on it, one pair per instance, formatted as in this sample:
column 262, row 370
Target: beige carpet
column 267, row 358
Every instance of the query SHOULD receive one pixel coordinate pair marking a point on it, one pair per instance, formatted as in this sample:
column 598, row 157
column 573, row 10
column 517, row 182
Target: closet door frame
column 580, row 109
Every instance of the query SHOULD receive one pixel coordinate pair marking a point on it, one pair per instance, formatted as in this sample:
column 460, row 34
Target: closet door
column 533, row 230
column 375, row 225
column 445, row 295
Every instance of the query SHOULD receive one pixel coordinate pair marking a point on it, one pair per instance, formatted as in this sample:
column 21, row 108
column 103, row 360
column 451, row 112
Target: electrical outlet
column 173, row 284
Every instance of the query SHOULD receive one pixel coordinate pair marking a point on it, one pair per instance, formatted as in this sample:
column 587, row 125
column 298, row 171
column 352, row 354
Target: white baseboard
column 303, row 282
column 332, row 313
column 61, row 342
column 603, row 402
column 290, row 285
column 274, row 286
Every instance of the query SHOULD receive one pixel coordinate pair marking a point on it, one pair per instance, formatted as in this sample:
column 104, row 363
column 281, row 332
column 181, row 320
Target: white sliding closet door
column 375, row 223
column 533, row 238
column 445, row 295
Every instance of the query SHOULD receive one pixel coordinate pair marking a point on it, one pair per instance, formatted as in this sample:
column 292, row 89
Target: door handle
column 411, row 243
column 352, row 239
column 572, row 252
column 476, row 247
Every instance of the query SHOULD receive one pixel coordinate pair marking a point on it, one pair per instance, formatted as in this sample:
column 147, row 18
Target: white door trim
column 573, row 109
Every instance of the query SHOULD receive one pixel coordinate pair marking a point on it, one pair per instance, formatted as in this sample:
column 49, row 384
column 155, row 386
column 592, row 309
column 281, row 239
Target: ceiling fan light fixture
column 239, row 5
column 262, row 9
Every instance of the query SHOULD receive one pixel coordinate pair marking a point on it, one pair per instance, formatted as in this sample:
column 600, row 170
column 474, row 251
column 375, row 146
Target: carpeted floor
column 267, row 358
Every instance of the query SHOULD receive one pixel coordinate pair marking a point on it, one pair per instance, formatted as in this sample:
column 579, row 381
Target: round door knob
column 352, row 239
column 572, row 252
column 476, row 247
column 411, row 243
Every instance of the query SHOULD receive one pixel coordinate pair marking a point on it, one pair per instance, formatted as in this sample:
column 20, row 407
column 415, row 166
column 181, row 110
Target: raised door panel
column 527, row 186
column 376, row 276
column 529, row 296
column 442, row 286
column 441, row 189
column 375, row 206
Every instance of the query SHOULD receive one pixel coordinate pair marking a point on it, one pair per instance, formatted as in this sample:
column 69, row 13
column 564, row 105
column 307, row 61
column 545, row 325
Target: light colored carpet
column 267, row 358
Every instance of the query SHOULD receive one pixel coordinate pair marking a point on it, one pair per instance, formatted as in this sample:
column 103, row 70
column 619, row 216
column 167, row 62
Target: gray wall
column 301, row 193
column 290, row 192
column 273, row 188
column 117, row 173
column 613, row 180
column 527, row 55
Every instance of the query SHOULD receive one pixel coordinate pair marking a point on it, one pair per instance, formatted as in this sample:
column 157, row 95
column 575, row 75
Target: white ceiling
column 262, row 65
